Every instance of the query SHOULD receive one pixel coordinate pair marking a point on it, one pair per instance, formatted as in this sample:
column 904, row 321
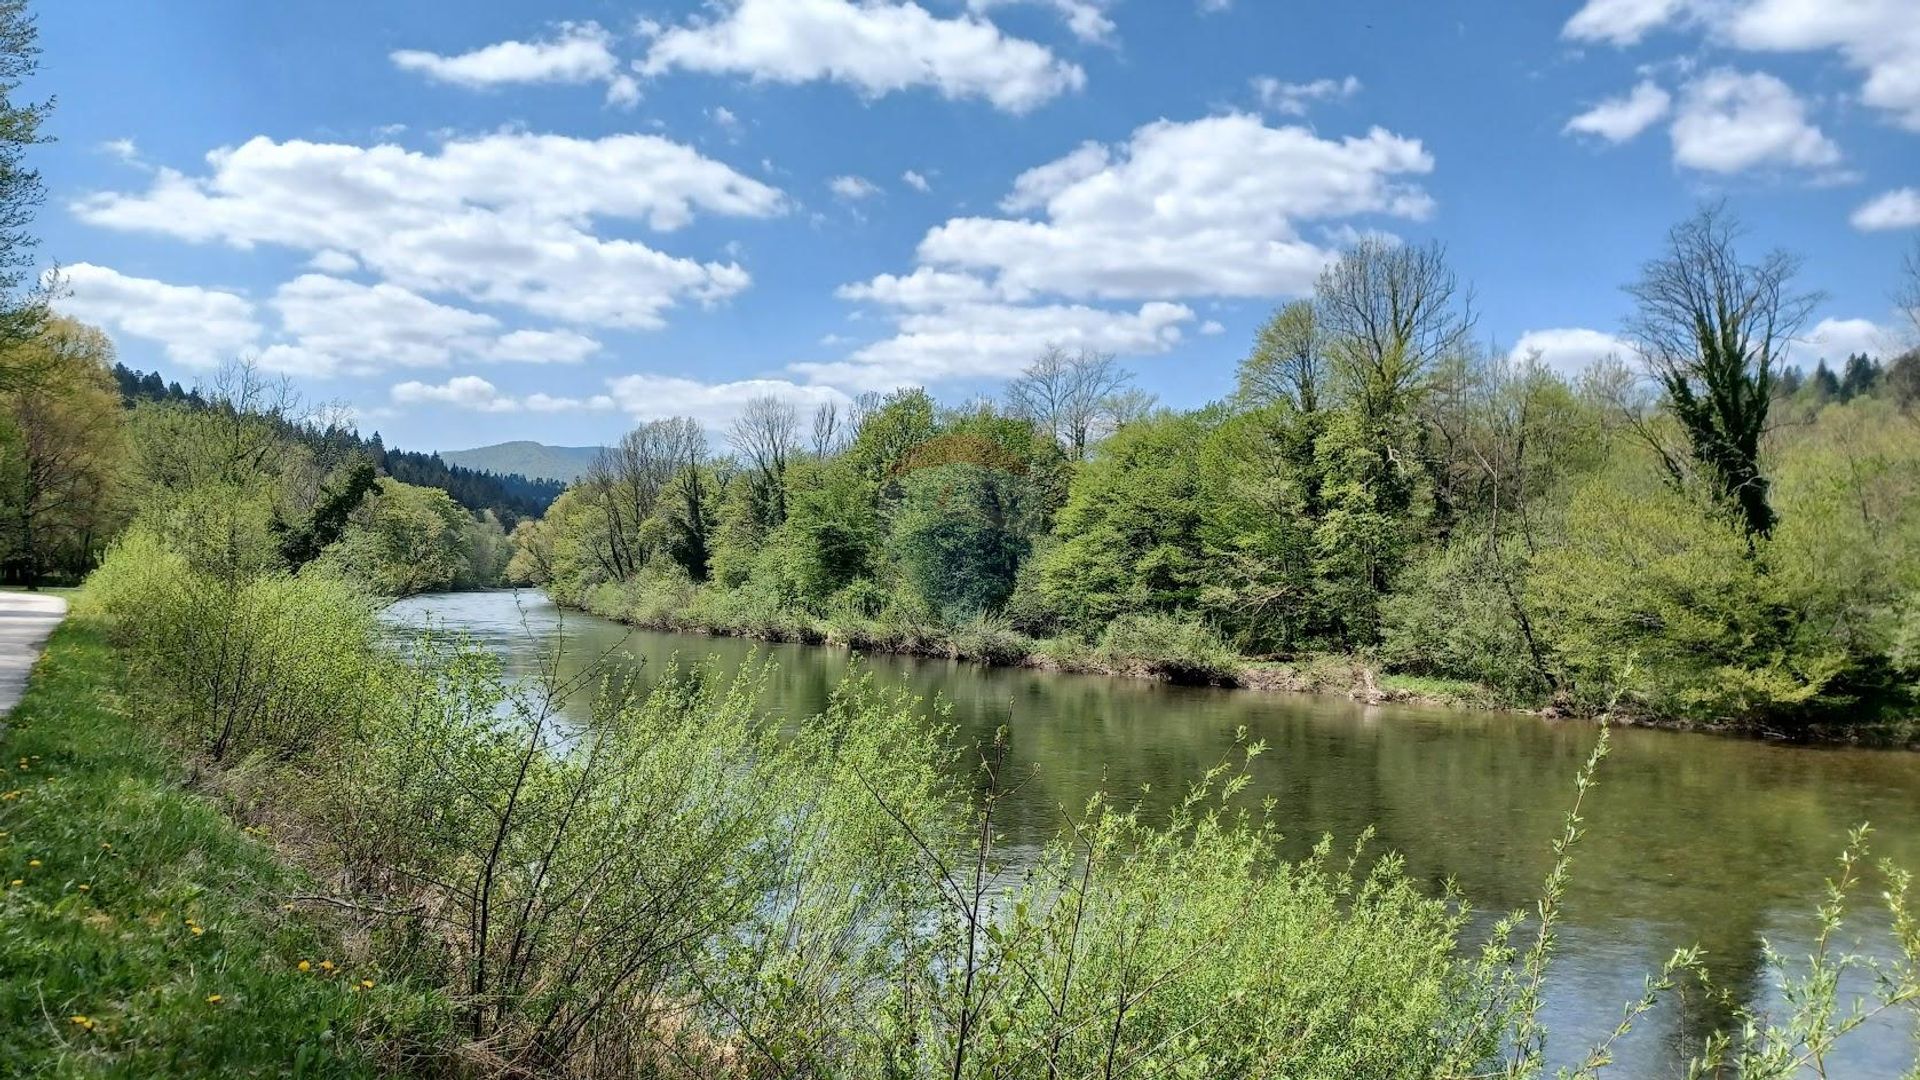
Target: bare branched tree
column 1908, row 296
column 1388, row 314
column 1711, row 330
column 767, row 436
column 1289, row 360
column 1077, row 397
column 627, row 480
column 830, row 429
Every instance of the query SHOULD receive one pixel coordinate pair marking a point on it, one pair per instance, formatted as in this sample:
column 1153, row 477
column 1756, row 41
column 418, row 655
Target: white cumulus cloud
column 198, row 327
column 1087, row 19
column 1728, row 121
column 988, row 340
column 462, row 391
column 1880, row 39
column 546, row 403
column 467, row 220
column 1570, row 350
column 713, row 405
column 1297, row 98
column 340, row 325
column 1620, row 22
column 1206, row 207
column 1833, row 340
column 853, row 188
column 1181, row 210
column 1896, row 209
column 576, row 53
column 877, row 47
column 1621, row 118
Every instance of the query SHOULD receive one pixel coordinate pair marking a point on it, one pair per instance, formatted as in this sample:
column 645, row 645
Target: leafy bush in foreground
column 274, row 663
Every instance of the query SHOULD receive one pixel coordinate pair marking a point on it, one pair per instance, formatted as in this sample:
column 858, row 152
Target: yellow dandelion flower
column 213, row 999
column 17, row 882
column 81, row 1021
column 326, row 965
column 106, row 846
column 33, row 862
column 86, row 888
column 305, row 966
column 366, row 984
column 197, row 930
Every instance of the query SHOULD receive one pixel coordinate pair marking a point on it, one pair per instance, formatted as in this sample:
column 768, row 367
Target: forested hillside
column 509, row 495
column 90, row 446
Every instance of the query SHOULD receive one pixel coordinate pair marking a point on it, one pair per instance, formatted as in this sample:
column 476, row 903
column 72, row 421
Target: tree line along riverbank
column 1708, row 537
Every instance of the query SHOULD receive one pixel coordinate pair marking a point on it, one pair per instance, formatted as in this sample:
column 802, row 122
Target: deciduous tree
column 766, row 435
column 60, row 449
column 1078, row 397
column 1711, row 328
column 21, row 190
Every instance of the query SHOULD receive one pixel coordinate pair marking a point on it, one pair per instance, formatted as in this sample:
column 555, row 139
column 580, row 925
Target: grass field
column 143, row 933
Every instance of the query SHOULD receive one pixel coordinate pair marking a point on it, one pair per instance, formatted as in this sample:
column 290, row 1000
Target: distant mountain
column 530, row 459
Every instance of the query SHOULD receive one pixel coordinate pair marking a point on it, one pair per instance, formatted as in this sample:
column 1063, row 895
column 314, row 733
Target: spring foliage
column 1709, row 538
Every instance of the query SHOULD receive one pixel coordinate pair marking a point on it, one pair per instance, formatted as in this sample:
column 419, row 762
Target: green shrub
column 661, row 596
column 1066, row 652
column 1654, row 601
column 991, row 640
column 277, row 664
column 1175, row 647
column 959, row 536
column 1454, row 618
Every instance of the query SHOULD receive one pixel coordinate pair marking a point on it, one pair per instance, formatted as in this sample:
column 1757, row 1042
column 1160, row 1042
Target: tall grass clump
column 991, row 639
column 679, row 884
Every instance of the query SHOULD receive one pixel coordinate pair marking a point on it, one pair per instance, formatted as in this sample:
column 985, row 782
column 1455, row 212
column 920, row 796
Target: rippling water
column 1693, row 838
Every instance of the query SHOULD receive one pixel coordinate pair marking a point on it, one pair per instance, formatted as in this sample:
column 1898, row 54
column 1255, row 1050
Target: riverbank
column 1161, row 649
column 144, row 932
column 1174, row 651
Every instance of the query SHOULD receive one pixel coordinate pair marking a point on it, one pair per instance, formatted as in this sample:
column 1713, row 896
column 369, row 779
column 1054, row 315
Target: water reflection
column 1693, row 839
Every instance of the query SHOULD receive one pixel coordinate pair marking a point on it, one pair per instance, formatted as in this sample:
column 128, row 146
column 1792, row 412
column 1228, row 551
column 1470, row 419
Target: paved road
column 25, row 621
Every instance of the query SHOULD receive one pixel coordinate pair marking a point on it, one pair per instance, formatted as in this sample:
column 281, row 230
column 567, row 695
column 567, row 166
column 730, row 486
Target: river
column 1694, row 839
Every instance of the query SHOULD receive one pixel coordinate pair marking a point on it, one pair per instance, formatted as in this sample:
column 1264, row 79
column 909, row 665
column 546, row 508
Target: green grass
column 1440, row 690
column 142, row 931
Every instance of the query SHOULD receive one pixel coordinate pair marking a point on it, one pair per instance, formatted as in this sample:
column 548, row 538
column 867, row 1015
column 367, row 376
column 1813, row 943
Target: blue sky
column 475, row 220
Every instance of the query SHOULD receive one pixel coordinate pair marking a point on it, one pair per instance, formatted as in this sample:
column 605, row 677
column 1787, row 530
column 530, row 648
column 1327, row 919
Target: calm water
column 1693, row 839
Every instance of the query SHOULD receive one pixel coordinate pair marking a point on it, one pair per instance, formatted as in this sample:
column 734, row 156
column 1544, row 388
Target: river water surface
column 1693, row 839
